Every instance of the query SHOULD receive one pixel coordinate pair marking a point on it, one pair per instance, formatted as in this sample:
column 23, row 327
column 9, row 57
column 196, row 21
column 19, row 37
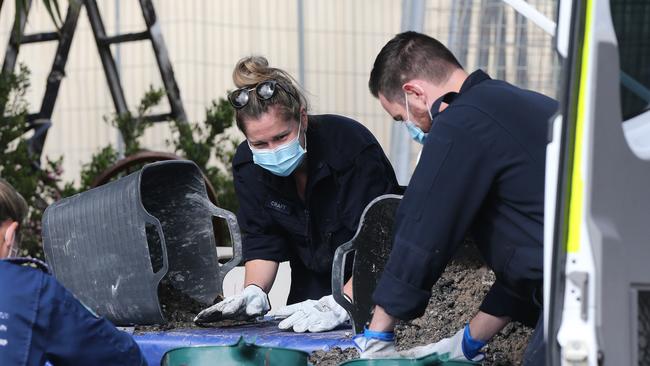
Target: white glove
column 251, row 302
column 376, row 345
column 313, row 316
column 453, row 346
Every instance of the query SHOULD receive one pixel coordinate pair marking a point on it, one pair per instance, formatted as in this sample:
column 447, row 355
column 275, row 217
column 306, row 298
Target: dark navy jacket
column 40, row 320
column 481, row 172
column 346, row 170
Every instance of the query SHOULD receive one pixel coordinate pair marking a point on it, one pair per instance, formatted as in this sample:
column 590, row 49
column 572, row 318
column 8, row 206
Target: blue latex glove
column 459, row 347
column 373, row 344
column 471, row 347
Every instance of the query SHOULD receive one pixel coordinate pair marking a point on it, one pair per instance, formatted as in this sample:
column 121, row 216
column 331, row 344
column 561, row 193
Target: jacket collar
column 473, row 79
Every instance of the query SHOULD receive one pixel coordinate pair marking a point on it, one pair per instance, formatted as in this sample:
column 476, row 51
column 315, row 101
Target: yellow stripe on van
column 576, row 202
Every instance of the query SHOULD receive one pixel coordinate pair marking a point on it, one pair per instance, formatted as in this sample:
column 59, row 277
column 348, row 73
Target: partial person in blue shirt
column 481, row 173
column 39, row 319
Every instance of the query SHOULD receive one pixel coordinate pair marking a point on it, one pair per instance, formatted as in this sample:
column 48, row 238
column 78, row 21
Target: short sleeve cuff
column 265, row 248
column 251, row 255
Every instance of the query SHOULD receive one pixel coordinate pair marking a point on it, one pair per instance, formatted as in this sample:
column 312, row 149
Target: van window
column 632, row 26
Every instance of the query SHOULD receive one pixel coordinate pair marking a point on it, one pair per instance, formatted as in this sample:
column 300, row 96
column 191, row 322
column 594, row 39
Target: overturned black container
column 112, row 245
column 372, row 245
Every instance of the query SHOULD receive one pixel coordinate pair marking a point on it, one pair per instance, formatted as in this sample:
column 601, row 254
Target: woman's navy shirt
column 346, row 169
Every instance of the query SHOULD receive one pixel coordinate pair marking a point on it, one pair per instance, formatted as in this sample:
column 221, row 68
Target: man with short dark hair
column 481, row 172
column 39, row 319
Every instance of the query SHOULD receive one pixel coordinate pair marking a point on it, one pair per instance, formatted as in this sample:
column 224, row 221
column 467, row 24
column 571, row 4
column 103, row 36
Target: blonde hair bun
column 251, row 71
column 288, row 97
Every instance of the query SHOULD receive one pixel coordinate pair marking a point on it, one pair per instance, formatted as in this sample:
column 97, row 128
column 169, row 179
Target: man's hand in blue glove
column 376, row 344
column 460, row 346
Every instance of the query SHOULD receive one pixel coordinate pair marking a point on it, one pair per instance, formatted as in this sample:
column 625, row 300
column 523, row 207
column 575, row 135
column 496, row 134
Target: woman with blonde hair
column 302, row 181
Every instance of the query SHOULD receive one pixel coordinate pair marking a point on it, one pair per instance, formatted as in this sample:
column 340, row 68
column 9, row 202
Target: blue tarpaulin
column 265, row 333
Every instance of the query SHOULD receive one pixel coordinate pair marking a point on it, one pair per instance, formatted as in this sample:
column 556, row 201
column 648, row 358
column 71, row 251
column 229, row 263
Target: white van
column 597, row 224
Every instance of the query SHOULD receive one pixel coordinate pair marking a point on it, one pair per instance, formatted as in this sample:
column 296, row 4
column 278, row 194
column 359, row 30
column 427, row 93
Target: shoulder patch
column 30, row 262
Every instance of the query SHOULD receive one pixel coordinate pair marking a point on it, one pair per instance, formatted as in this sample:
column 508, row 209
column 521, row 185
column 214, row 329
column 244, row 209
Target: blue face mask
column 282, row 160
column 416, row 133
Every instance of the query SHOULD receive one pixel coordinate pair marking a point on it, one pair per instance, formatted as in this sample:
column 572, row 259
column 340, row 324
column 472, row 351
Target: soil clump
column 333, row 357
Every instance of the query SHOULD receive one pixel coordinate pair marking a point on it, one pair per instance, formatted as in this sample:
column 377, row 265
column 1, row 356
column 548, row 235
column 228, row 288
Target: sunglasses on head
column 264, row 91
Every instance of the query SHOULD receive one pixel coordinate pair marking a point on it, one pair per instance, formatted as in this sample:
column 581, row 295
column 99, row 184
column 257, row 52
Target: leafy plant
column 131, row 126
column 99, row 162
column 207, row 143
column 202, row 142
column 37, row 184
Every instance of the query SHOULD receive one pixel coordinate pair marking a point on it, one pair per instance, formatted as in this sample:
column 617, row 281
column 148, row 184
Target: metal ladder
column 41, row 120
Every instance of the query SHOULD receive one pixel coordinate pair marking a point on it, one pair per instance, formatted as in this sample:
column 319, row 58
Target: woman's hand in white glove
column 313, row 316
column 249, row 303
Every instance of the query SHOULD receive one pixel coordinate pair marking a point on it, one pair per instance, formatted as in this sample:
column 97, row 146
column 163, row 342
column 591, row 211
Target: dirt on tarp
column 180, row 309
column 333, row 357
column 455, row 299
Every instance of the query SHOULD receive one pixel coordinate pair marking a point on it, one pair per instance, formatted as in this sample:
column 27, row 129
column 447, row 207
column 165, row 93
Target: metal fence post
column 400, row 142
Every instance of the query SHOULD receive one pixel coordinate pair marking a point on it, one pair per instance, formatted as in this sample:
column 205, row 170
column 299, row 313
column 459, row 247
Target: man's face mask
column 416, row 133
column 282, row 160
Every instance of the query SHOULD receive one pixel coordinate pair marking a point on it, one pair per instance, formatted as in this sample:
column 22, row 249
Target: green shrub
column 38, row 184
column 202, row 141
column 206, row 143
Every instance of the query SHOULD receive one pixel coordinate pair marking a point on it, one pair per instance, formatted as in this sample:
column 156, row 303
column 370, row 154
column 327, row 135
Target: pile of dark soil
column 455, row 299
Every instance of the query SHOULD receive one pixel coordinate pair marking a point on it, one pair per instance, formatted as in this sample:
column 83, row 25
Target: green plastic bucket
column 241, row 353
column 431, row 360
